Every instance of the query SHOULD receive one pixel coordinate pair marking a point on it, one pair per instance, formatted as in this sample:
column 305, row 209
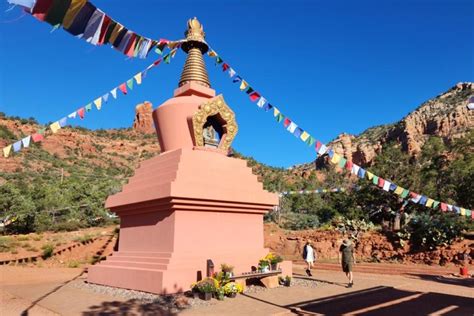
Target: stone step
column 142, row 254
column 134, row 264
column 138, row 259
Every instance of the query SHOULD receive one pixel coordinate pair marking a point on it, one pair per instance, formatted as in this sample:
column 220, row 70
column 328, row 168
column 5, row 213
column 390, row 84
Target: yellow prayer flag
column 370, row 175
column 6, row 151
column 172, row 45
column 399, row 190
column 212, row 54
column 243, row 85
column 55, row 127
column 98, row 103
column 335, row 158
column 429, row 203
column 304, row 136
column 138, row 78
column 463, row 211
column 275, row 111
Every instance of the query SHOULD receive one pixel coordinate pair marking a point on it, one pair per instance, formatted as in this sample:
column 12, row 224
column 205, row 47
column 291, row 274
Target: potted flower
column 263, row 265
column 231, row 289
column 227, row 269
column 274, row 260
column 287, row 281
column 206, row 288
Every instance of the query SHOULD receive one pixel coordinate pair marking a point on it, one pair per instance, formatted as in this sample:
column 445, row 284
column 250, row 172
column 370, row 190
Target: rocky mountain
column 143, row 122
column 445, row 116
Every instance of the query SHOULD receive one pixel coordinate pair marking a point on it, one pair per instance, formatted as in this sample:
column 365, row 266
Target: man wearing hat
column 348, row 259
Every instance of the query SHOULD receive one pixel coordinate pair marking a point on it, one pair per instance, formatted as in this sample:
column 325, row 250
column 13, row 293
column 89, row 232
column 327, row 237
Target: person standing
column 309, row 256
column 348, row 259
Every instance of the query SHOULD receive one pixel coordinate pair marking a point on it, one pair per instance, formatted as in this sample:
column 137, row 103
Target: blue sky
column 331, row 66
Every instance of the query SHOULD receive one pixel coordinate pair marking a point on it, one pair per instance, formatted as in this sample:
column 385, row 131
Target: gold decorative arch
column 215, row 106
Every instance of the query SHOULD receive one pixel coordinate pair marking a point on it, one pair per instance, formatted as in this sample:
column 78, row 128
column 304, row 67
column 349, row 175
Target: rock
column 143, row 122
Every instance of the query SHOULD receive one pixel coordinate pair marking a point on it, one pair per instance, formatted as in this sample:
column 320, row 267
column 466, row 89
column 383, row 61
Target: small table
column 268, row 279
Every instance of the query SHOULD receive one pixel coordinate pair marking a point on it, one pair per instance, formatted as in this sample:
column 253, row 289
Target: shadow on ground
column 388, row 301
column 131, row 307
column 469, row 282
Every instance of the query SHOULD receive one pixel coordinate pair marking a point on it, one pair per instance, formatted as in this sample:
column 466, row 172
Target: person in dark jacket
column 346, row 251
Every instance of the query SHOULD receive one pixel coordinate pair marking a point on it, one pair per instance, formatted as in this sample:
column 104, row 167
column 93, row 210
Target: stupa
column 191, row 203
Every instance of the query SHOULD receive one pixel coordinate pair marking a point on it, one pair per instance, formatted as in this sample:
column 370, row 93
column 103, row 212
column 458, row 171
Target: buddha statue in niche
column 212, row 133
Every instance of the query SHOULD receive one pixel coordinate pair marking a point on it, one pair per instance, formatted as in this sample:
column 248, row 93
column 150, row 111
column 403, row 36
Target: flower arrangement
column 206, row 288
column 273, row 259
column 226, row 268
column 232, row 288
column 263, row 265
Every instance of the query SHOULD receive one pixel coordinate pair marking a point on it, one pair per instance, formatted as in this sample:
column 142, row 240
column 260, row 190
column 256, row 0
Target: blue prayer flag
column 17, row 146
column 62, row 122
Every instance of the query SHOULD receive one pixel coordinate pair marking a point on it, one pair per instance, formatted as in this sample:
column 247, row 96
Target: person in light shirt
column 309, row 256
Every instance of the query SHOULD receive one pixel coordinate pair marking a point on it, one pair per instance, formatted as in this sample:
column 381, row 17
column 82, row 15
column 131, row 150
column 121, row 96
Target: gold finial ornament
column 195, row 46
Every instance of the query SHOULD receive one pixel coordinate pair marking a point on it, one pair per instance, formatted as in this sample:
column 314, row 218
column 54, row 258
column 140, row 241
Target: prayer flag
column 287, row 122
column 55, row 127
column 393, row 187
column 113, row 92
column 28, row 4
column 138, row 78
column 72, row 115
column 370, row 175
column 219, row 60
column 17, row 146
column 231, row 72
column 456, row 208
column 261, row 102
column 355, row 169
column 304, row 136
column 292, row 127
column 105, row 97
column 88, row 107
column 297, row 133
column 249, row 90
column 405, row 193
column 349, row 165
column 130, row 84
column 318, row 145
column 361, row 173
column 330, row 153
column 212, row 53
column 26, row 141
column 423, row 200
column 98, row 103
column 63, row 122
column 6, row 151
column 335, row 158
column 429, row 202
column 381, row 183
column 225, row 66
column 243, row 85
column 123, row 88
column 399, row 191
column 167, row 58
column 450, row 207
column 80, row 112
column 444, row 207
column 322, row 150
column 463, row 211
column 416, row 198
column 310, row 141
column 375, row 180
column 237, row 79
column 342, row 162
column 173, row 53
column 435, row 204
column 254, row 96
column 37, row 137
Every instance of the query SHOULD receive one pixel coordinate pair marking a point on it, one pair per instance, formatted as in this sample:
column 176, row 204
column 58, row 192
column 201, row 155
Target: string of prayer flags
column 322, row 149
column 56, row 126
column 82, row 19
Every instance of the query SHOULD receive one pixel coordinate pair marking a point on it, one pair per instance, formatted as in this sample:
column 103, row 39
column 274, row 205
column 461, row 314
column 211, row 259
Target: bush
column 296, row 221
column 48, row 250
column 430, row 231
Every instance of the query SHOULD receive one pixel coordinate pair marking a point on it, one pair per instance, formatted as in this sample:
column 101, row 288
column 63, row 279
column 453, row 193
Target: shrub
column 48, row 250
column 296, row 221
column 430, row 231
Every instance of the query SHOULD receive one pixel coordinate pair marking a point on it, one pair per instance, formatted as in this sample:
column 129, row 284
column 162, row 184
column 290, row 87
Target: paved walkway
column 37, row 291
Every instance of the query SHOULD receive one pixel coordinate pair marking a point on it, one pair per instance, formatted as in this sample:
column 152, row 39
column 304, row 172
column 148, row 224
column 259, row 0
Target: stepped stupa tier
column 192, row 202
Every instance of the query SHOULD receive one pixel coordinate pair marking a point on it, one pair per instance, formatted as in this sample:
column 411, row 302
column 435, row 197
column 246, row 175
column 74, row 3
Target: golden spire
column 195, row 46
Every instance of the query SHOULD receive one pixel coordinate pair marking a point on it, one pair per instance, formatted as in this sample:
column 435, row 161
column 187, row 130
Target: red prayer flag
column 225, row 67
column 349, row 165
column 254, row 96
column 103, row 30
column 286, row 122
column 413, row 195
column 157, row 62
column 163, row 41
column 41, row 9
column 37, row 137
column 123, row 88
column 130, row 49
column 381, row 182
column 81, row 112
column 318, row 145
column 444, row 207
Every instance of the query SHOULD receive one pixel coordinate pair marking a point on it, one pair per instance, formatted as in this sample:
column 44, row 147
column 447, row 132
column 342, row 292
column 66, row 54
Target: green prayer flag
column 435, row 204
column 405, row 193
column 310, row 141
column 130, row 83
column 219, row 60
column 88, row 107
column 342, row 162
column 279, row 117
column 167, row 58
column 42, row 131
column 375, row 180
column 468, row 213
column 158, row 51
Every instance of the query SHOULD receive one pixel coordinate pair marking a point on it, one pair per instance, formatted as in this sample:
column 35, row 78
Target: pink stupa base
column 184, row 207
